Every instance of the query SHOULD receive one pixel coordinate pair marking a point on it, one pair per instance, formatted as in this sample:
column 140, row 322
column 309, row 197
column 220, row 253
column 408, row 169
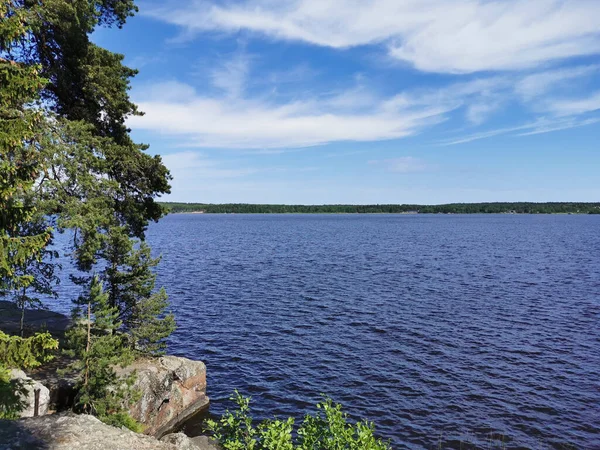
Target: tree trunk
column 22, row 301
column 87, row 347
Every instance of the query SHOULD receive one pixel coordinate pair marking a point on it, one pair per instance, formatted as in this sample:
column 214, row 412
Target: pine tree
column 97, row 347
column 144, row 310
column 66, row 156
column 22, row 125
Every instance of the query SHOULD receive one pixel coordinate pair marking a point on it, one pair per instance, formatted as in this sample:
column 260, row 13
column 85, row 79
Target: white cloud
column 455, row 36
column 205, row 122
column 232, row 119
column 538, row 84
column 478, row 112
column 559, row 125
column 575, row 106
column 482, row 135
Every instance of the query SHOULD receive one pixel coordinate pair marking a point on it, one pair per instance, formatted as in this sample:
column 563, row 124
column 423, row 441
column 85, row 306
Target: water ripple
column 452, row 326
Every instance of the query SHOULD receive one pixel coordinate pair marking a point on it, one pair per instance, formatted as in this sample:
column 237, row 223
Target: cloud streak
column 540, row 126
column 446, row 36
column 230, row 118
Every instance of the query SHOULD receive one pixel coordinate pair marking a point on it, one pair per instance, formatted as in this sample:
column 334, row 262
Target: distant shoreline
column 373, row 213
column 404, row 209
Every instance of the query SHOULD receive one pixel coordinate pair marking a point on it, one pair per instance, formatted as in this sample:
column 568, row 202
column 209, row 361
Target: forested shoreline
column 451, row 208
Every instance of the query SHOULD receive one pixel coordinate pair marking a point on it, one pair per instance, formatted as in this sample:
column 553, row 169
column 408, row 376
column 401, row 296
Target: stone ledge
column 173, row 389
column 69, row 431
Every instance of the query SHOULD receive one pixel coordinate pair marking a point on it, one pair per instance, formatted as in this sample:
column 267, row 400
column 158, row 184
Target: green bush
column 122, row 419
column 18, row 352
column 328, row 429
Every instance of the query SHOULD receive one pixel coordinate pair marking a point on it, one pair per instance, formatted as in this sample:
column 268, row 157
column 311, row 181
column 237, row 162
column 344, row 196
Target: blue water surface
column 452, row 328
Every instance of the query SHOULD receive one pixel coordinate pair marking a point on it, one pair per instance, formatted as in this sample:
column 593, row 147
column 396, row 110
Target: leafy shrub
column 328, row 429
column 18, row 352
column 28, row 353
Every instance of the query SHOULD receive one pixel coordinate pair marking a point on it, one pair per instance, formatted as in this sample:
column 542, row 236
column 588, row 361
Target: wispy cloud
column 559, row 125
column 541, row 83
column 206, row 122
column 575, row 106
column 232, row 74
column 451, row 36
column 231, row 118
column 540, row 126
column 482, row 135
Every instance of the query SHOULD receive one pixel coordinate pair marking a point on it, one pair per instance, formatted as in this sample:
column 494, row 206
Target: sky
column 368, row 101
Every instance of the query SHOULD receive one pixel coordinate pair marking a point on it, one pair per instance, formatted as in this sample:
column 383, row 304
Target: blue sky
column 369, row 101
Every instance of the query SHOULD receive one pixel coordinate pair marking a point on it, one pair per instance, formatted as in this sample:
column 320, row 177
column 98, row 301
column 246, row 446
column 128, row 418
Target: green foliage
column 16, row 352
column 143, row 310
column 122, row 419
column 67, row 161
column 328, row 429
column 98, row 348
column 22, row 125
column 27, row 353
column 454, row 208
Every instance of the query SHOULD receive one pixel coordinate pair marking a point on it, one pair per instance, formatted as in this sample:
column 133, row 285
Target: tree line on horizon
column 451, row 208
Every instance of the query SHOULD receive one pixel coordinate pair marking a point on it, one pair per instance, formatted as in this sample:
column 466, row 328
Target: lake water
column 434, row 327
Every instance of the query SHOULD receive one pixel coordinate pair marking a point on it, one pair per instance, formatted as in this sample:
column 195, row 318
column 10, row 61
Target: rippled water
column 430, row 326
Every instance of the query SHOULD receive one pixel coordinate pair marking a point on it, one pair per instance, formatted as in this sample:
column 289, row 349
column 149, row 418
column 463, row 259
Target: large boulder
column 70, row 432
column 172, row 390
column 29, row 390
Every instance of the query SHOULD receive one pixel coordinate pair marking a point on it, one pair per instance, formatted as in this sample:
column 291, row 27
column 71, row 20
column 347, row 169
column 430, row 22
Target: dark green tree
column 22, row 125
column 143, row 310
column 97, row 348
column 99, row 183
column 67, row 158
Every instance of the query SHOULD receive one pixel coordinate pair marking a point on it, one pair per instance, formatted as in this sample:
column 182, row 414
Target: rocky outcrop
column 68, row 431
column 34, row 395
column 172, row 390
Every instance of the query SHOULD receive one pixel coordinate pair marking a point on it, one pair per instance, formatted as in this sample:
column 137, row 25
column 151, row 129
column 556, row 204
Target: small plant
column 328, row 429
